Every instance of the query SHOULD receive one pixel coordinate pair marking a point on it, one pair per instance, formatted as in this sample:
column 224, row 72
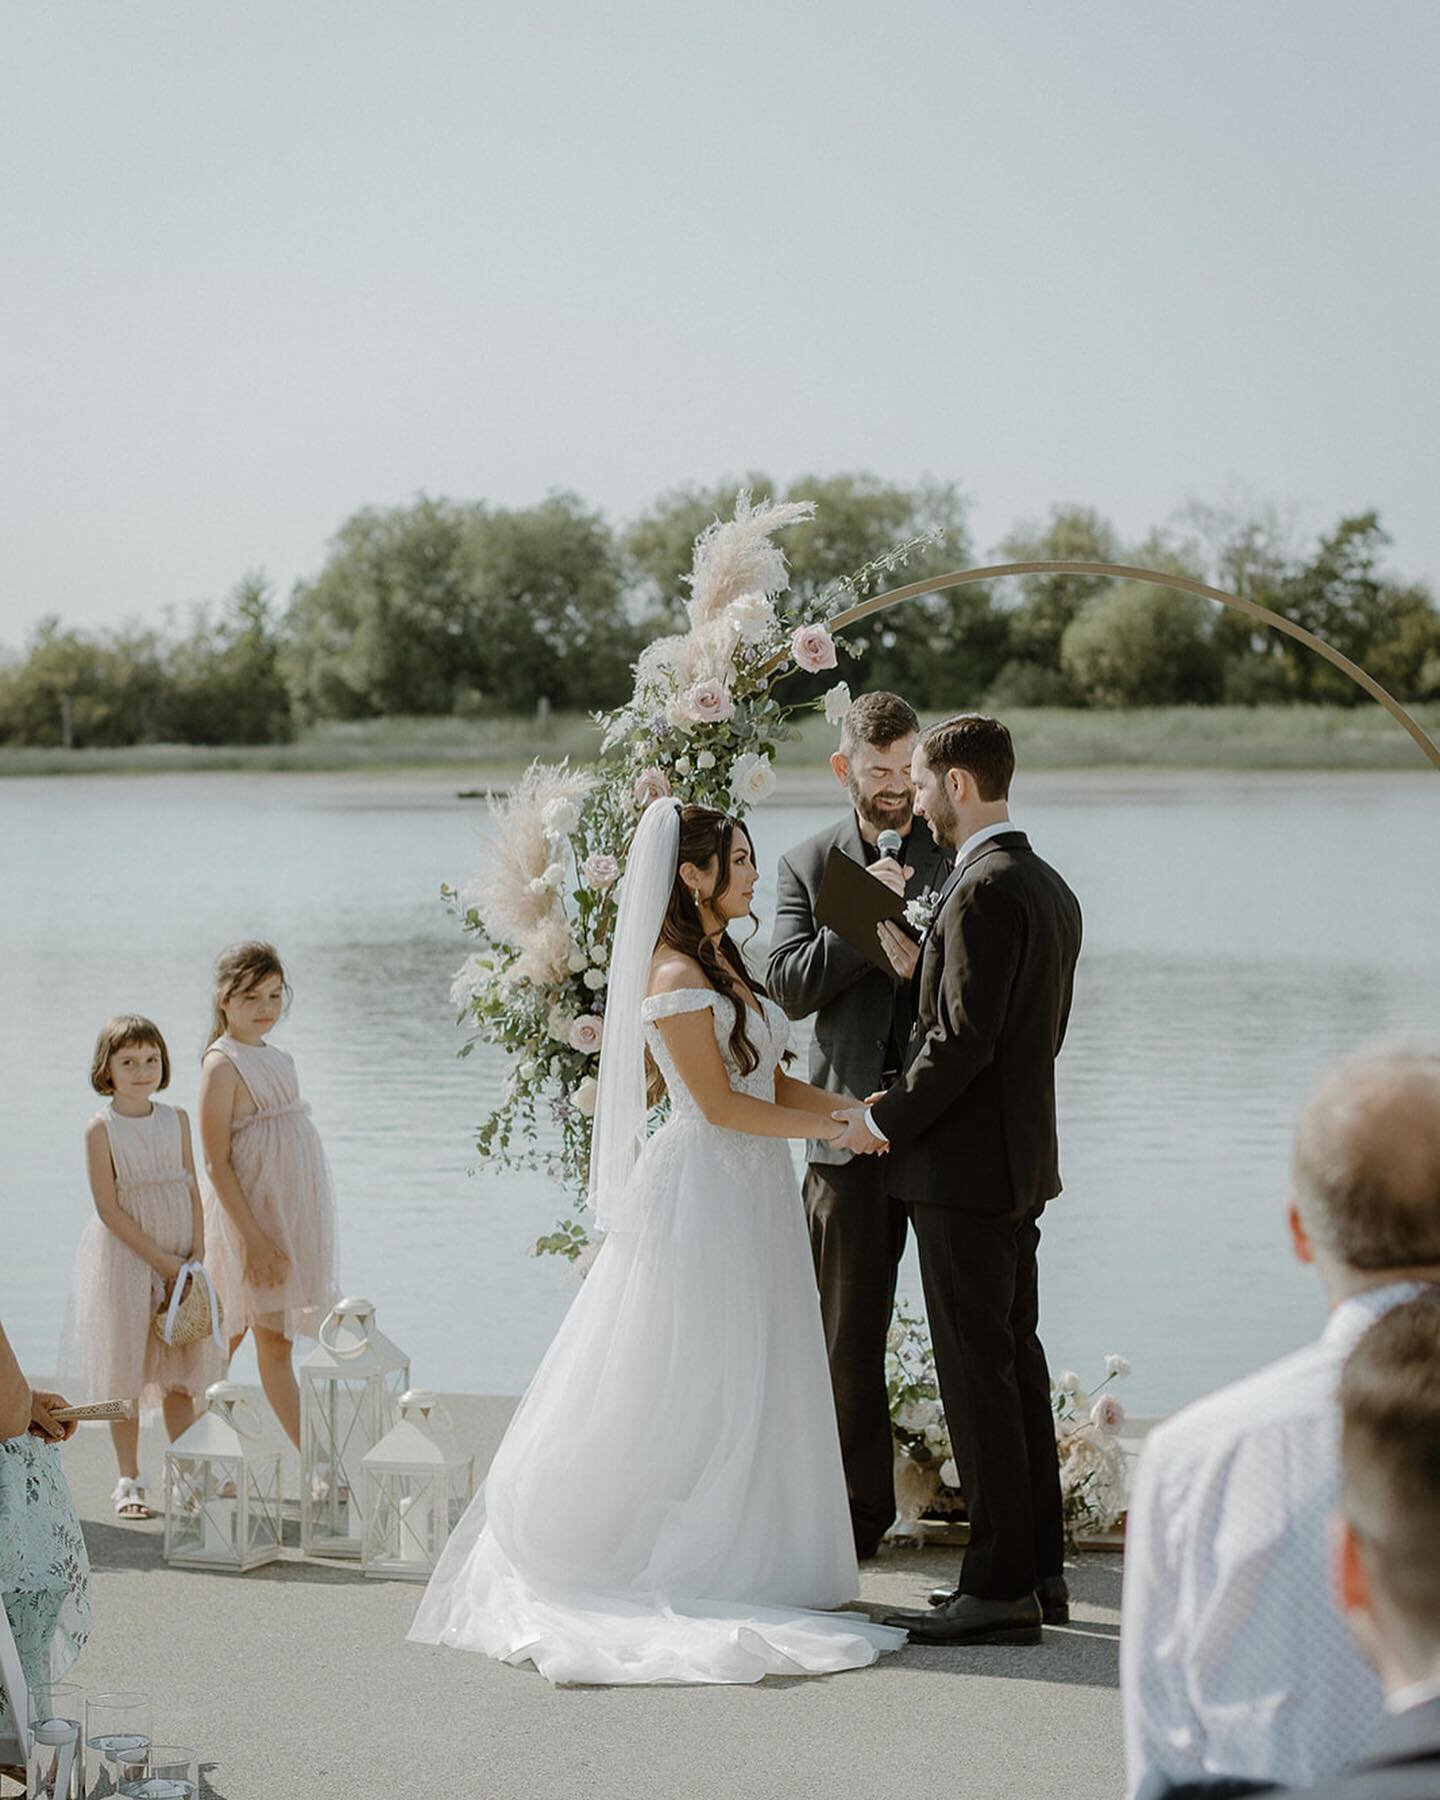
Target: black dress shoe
column 1053, row 1593
column 967, row 1619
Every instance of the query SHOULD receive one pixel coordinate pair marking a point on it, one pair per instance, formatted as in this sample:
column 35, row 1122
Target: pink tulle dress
column 280, row 1163
column 108, row 1350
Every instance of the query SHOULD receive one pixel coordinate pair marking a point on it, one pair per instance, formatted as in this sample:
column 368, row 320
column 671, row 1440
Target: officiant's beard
column 883, row 818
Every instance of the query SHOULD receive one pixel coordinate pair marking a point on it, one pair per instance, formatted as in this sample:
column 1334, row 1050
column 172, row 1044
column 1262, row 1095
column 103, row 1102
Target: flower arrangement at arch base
column 703, row 723
column 1093, row 1484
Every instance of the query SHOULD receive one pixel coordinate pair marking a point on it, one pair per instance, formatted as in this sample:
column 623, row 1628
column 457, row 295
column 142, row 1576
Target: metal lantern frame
column 222, row 1488
column 350, row 1388
column 418, row 1481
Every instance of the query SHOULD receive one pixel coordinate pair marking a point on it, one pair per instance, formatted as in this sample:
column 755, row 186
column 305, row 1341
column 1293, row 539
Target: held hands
column 43, row 1425
column 265, row 1263
column 857, row 1135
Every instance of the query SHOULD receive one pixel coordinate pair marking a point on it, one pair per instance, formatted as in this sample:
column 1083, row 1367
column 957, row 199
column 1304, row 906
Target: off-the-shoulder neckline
column 712, row 994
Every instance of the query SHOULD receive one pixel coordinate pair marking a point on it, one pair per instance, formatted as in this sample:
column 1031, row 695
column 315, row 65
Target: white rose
column 575, row 962
column 837, row 703
column 949, row 1474
column 1117, row 1366
column 594, row 979
column 583, row 1097
column 752, row 778
column 677, row 712
column 559, row 1022
column 752, row 616
column 683, row 765
column 1107, row 1414
column 560, row 818
column 705, row 760
column 585, row 1034
column 1069, row 1382
column 599, row 956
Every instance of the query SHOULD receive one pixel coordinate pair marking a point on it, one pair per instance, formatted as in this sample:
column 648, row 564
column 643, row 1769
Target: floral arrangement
column 1092, row 1464
column 927, row 1482
column 703, row 723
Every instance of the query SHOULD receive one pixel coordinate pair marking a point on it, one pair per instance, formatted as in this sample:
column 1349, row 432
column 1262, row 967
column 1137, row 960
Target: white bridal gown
column 668, row 1502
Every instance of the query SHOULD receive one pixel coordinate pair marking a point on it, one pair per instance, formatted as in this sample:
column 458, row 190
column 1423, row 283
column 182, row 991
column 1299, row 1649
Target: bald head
column 1367, row 1159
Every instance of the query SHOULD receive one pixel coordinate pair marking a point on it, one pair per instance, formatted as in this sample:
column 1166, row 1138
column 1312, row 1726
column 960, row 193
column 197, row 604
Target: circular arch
column 1124, row 572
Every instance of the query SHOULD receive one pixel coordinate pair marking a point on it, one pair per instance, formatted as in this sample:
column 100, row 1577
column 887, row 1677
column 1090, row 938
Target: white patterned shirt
column 1233, row 1658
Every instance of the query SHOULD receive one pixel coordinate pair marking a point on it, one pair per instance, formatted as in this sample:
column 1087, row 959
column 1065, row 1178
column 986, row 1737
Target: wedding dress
column 668, row 1503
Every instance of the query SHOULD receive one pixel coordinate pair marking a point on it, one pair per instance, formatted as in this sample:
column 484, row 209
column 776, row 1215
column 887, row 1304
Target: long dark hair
column 705, row 835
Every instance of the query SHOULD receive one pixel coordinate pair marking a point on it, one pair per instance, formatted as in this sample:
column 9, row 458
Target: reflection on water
column 1240, row 932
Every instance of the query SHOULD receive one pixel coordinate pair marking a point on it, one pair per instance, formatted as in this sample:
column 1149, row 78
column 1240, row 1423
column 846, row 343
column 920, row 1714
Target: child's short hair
column 120, row 1033
column 239, row 969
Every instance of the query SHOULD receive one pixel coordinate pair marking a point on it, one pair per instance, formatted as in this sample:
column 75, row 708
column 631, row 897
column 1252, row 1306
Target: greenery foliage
column 458, row 609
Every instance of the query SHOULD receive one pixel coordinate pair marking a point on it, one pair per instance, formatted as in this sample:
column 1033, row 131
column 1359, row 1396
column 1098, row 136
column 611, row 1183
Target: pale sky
column 264, row 264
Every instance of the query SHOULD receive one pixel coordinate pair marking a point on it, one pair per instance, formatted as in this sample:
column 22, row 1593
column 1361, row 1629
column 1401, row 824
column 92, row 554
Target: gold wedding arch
column 1124, row 572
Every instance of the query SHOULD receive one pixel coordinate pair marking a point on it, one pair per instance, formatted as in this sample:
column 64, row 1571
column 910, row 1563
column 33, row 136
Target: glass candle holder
column 173, row 1775
column 118, row 1734
column 55, row 1769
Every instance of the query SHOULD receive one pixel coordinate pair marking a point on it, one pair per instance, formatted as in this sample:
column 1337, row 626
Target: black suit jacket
column 1405, row 1765
column 972, row 1122
column 812, row 970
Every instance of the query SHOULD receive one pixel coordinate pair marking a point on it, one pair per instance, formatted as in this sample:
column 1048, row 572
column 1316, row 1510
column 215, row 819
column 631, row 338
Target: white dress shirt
column 973, row 842
column 1234, row 1659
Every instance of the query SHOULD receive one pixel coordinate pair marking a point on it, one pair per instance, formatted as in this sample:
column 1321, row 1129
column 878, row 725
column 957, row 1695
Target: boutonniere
column 920, row 912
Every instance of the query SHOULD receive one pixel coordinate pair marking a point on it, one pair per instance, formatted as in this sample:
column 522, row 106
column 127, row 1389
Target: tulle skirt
column 283, row 1173
column 668, row 1504
column 107, row 1348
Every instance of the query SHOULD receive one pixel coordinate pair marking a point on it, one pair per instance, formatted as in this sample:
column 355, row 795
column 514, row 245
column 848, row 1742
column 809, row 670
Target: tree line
column 459, row 607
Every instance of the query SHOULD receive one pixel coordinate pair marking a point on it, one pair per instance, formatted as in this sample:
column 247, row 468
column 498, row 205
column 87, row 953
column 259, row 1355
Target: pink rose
column 813, row 648
column 585, row 1034
column 708, row 702
column 1107, row 1414
column 651, row 784
column 600, row 871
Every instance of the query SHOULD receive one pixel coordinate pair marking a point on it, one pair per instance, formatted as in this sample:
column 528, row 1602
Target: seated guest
column 1232, row 1660
column 1386, row 1556
column 44, row 1572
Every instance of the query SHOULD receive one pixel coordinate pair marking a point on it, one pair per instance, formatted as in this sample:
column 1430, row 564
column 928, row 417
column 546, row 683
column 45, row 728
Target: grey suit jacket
column 811, row 970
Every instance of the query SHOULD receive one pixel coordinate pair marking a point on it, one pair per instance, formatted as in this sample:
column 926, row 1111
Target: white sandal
column 130, row 1501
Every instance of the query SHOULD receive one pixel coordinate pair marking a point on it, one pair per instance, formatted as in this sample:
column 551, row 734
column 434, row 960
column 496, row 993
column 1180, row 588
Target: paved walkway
column 297, row 1682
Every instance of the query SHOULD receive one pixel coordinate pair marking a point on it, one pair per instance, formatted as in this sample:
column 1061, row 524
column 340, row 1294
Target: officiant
column 862, row 1023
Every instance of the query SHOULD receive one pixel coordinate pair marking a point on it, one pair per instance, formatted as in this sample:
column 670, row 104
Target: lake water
column 1241, row 931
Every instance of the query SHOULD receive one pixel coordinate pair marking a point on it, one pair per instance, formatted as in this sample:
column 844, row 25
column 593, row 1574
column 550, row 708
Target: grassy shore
column 1220, row 737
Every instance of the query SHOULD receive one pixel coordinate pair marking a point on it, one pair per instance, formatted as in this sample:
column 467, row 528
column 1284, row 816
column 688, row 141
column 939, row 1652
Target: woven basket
column 192, row 1316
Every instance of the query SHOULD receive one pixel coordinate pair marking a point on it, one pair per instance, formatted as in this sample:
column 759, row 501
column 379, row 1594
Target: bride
column 668, row 1503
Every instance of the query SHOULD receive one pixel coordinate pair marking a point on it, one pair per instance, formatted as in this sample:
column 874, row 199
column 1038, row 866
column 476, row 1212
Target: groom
column 970, row 1131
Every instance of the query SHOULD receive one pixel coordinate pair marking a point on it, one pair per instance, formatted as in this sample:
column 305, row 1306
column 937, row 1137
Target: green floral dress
column 44, row 1571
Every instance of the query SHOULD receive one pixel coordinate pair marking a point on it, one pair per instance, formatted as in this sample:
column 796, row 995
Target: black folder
column 852, row 903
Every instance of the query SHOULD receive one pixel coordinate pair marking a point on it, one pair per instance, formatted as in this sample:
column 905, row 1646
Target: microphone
column 889, row 843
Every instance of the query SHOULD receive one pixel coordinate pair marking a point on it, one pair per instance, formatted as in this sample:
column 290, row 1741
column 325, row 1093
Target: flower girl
column 150, row 1222
column 269, row 1210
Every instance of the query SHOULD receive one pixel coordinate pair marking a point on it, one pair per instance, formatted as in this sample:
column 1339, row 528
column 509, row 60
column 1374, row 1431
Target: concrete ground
column 297, row 1682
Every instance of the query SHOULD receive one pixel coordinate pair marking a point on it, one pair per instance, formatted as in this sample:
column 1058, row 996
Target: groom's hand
column 900, row 947
column 857, row 1135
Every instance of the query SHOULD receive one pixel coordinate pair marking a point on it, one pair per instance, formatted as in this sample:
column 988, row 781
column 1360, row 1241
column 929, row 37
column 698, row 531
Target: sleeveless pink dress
column 108, row 1350
column 280, row 1163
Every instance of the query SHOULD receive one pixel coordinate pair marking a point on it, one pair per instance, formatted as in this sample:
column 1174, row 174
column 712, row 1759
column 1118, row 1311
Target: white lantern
column 350, row 1385
column 417, row 1484
column 222, row 1487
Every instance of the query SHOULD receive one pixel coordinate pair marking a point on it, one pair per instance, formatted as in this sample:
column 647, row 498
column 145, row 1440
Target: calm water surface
column 1240, row 932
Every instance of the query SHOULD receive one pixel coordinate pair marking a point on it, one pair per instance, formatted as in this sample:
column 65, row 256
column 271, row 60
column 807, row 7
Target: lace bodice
column 769, row 1035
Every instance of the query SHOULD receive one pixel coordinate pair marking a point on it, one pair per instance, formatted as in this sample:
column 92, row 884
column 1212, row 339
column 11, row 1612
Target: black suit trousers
column 982, row 1297
column 857, row 1233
